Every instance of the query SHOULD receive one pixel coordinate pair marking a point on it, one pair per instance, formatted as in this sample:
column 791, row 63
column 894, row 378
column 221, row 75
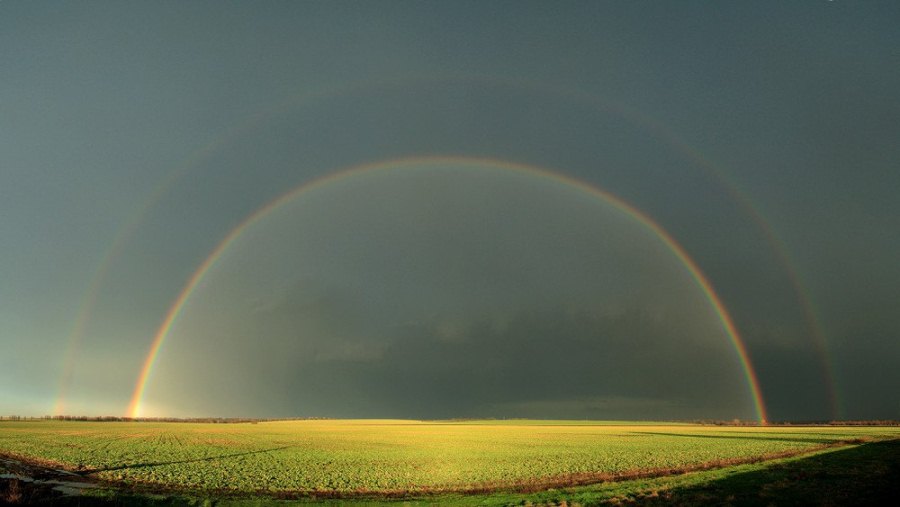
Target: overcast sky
column 762, row 136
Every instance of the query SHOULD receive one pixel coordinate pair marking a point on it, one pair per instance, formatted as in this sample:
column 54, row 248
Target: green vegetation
column 383, row 458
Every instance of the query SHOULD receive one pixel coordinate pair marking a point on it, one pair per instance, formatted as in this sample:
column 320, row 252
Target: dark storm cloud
column 794, row 104
column 541, row 355
column 442, row 291
column 320, row 358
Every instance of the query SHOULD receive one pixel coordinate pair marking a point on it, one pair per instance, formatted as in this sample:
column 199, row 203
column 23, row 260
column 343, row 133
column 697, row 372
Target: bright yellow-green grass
column 354, row 456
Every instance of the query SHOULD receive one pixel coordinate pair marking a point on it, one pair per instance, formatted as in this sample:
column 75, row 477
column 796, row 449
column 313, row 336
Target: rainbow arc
column 176, row 308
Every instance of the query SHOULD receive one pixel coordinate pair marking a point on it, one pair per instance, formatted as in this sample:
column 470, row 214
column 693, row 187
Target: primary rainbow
column 636, row 117
column 134, row 408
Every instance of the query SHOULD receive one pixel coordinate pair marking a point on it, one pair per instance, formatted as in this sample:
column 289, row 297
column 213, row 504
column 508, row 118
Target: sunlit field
column 396, row 457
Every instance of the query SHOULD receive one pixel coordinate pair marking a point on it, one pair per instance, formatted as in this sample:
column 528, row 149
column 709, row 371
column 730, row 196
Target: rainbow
column 134, row 408
column 775, row 243
column 632, row 115
column 123, row 235
column 743, row 202
column 782, row 253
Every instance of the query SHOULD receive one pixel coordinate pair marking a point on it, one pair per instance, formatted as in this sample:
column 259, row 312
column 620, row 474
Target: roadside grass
column 867, row 474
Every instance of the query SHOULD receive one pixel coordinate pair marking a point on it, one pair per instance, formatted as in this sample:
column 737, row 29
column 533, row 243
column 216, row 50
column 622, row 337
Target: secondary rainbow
column 636, row 117
column 134, row 408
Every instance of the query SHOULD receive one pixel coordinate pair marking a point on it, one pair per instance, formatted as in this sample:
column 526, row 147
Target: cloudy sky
column 502, row 247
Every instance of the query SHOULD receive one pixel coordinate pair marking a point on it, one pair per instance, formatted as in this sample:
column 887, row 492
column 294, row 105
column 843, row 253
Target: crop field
column 393, row 457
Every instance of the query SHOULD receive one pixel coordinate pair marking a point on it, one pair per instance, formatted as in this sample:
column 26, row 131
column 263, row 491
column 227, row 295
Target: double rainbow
column 134, row 408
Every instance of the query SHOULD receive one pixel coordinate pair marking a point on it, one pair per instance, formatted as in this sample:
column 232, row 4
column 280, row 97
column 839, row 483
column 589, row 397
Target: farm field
column 390, row 458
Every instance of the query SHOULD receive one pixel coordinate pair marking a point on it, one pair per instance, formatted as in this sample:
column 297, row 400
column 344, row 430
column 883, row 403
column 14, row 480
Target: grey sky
column 795, row 107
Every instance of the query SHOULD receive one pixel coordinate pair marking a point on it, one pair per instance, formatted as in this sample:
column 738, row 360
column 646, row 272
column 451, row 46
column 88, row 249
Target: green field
column 391, row 457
